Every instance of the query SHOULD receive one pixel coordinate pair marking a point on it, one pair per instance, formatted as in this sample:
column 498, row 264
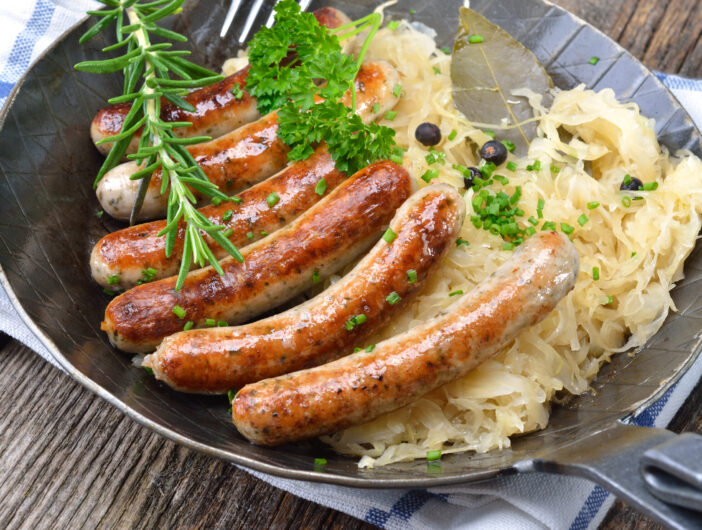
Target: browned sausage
column 211, row 361
column 324, row 239
column 217, row 111
column 118, row 259
column 242, row 157
column 362, row 386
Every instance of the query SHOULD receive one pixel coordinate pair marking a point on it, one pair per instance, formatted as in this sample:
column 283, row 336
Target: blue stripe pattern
column 21, row 54
column 404, row 508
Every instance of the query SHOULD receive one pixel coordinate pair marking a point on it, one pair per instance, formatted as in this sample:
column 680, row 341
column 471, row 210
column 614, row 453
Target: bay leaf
column 484, row 75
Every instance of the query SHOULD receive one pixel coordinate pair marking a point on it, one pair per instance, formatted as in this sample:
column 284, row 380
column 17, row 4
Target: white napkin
column 517, row 501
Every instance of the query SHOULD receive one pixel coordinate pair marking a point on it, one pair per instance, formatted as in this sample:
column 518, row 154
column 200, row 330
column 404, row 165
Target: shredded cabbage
column 594, row 141
column 640, row 250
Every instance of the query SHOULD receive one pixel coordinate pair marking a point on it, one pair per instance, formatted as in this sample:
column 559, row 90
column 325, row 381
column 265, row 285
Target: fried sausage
column 210, row 361
column 217, row 111
column 278, row 267
column 242, row 157
column 118, row 259
column 362, row 386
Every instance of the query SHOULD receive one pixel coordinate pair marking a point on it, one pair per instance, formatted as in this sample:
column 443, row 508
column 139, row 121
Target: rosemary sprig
column 148, row 69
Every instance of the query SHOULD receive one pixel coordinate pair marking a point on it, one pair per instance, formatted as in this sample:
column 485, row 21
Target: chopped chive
column 411, row 276
column 533, row 220
column 229, row 183
column 650, row 186
column 357, row 349
column 530, row 230
column 360, row 319
column 434, row 455
column 389, row 235
column 397, row 90
column 592, row 205
column 370, row 348
column 452, row 134
column 540, row 204
column 315, row 277
column 355, row 321
column 249, row 235
column 178, row 311
column 216, row 201
column 210, row 322
column 456, row 293
column 227, row 215
column 147, row 275
column 446, row 50
column 109, row 292
column 507, row 246
column 393, row 298
column 228, row 232
column 633, row 254
column 100, row 213
column 393, row 25
column 511, row 166
column 567, row 229
column 321, row 187
column 626, row 201
column 627, row 179
column 555, row 169
column 537, row 165
column 376, row 108
column 237, row 92
column 595, row 273
column 501, row 179
column 490, row 133
column 530, row 167
column 436, row 69
column 475, row 39
column 509, row 145
column 390, row 115
column 222, row 324
column 548, row 225
column 236, row 200
column 594, row 60
column 264, row 233
column 320, row 461
column 397, row 155
column 231, row 394
column 148, row 370
column 429, row 175
column 113, row 280
column 608, row 300
column 412, row 11
column 272, row 199
column 188, row 325
column 583, row 219
column 460, row 241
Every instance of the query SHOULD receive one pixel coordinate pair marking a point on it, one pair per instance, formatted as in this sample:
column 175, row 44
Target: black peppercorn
column 494, row 151
column 428, row 134
column 470, row 176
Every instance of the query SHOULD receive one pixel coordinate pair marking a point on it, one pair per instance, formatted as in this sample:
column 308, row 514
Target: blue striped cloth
column 518, row 501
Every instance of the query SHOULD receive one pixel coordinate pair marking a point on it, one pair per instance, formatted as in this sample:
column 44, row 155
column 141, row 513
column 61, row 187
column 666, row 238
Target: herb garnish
column 310, row 111
column 152, row 72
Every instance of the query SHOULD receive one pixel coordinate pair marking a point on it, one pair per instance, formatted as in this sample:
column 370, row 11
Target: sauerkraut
column 636, row 241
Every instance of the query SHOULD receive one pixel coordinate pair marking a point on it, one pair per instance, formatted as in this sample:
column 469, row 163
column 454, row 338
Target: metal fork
column 255, row 9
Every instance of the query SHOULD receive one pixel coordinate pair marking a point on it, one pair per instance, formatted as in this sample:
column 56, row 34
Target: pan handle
column 653, row 470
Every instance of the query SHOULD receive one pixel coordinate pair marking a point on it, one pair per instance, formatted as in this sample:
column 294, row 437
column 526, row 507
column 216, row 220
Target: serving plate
column 48, row 225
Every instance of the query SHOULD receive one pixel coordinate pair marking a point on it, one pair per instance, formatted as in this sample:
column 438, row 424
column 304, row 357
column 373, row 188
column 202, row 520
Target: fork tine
column 233, row 8
column 250, row 20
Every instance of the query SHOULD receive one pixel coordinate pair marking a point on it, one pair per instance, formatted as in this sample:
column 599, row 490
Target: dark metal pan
column 48, row 224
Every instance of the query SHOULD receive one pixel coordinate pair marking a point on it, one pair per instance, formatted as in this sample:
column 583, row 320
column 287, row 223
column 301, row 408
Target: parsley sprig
column 152, row 72
column 298, row 67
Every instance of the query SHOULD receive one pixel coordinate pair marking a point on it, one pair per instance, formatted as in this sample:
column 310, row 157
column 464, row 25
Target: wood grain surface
column 70, row 460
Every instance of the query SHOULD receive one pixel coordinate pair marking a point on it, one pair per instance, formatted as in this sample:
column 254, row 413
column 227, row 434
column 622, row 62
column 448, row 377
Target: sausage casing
column 362, row 386
column 118, row 259
column 242, row 157
column 217, row 111
column 282, row 265
column 323, row 328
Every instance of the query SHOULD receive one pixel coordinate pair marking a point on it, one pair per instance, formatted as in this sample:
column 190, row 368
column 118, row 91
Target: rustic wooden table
column 68, row 459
